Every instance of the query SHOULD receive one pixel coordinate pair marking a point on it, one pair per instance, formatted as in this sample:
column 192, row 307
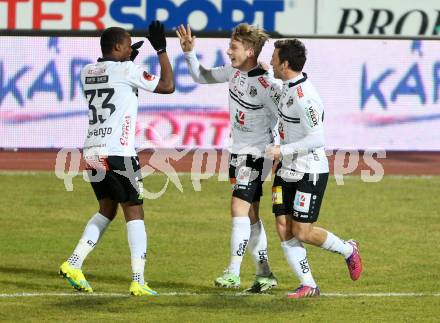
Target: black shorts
column 246, row 174
column 300, row 196
column 110, row 178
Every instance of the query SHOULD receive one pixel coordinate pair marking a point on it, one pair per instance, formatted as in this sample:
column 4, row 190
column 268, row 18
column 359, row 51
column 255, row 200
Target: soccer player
column 252, row 122
column 111, row 88
column 301, row 177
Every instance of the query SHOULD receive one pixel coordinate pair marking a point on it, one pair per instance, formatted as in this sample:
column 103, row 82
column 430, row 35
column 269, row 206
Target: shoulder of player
column 88, row 67
column 302, row 94
column 265, row 80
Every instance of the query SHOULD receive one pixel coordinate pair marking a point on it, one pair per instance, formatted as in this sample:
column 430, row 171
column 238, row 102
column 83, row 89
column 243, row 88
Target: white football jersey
column 252, row 111
column 111, row 89
column 301, row 113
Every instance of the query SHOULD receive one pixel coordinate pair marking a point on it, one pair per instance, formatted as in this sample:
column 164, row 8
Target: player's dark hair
column 293, row 51
column 110, row 37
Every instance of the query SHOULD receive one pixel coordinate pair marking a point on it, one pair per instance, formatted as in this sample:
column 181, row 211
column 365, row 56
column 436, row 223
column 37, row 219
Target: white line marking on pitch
column 14, row 295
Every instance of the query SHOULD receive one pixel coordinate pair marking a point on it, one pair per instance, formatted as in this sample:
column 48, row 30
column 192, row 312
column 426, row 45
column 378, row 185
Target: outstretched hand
column 187, row 41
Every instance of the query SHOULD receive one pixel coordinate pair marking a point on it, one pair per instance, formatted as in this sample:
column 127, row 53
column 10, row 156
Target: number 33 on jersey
column 111, row 89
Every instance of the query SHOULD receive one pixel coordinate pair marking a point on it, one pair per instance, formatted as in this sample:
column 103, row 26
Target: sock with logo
column 137, row 240
column 93, row 232
column 258, row 248
column 335, row 244
column 241, row 231
column 296, row 256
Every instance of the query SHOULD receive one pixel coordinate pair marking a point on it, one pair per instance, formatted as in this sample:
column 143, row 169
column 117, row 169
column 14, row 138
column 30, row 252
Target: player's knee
column 301, row 234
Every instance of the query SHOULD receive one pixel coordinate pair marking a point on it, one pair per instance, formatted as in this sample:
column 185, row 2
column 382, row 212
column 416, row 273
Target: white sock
column 296, row 256
column 336, row 244
column 241, row 231
column 93, row 231
column 258, row 247
column 137, row 241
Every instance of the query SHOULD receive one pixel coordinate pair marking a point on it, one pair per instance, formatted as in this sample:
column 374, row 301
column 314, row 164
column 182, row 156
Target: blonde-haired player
column 252, row 122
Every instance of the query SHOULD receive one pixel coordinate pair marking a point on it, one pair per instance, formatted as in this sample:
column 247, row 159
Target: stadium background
column 377, row 69
column 375, row 63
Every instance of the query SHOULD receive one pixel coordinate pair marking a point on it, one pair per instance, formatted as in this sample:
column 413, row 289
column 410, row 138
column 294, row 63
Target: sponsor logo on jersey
column 253, row 91
column 281, row 130
column 148, row 76
column 126, row 126
column 96, row 71
column 299, row 91
column 277, row 195
column 97, row 79
column 239, row 117
column 242, row 80
column 263, row 82
column 100, row 132
column 289, row 102
column 312, row 116
column 302, row 202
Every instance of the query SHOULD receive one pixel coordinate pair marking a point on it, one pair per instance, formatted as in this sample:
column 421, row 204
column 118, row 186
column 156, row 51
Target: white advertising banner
column 377, row 94
column 378, row 17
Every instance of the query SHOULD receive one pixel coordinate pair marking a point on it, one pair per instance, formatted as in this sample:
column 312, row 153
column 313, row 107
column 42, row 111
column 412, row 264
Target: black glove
column 157, row 36
column 135, row 48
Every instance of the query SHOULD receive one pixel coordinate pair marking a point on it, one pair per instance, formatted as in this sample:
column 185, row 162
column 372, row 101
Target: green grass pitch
column 396, row 220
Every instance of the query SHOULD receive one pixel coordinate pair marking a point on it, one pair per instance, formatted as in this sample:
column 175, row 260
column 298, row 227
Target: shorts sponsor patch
column 277, row 195
column 244, row 176
column 302, row 202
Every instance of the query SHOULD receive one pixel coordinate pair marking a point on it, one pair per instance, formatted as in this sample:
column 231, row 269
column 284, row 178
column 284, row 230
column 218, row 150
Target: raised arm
column 158, row 41
column 199, row 73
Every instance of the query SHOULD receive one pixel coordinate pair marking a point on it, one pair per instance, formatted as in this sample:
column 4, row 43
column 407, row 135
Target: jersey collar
column 107, row 59
column 256, row 71
column 298, row 80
